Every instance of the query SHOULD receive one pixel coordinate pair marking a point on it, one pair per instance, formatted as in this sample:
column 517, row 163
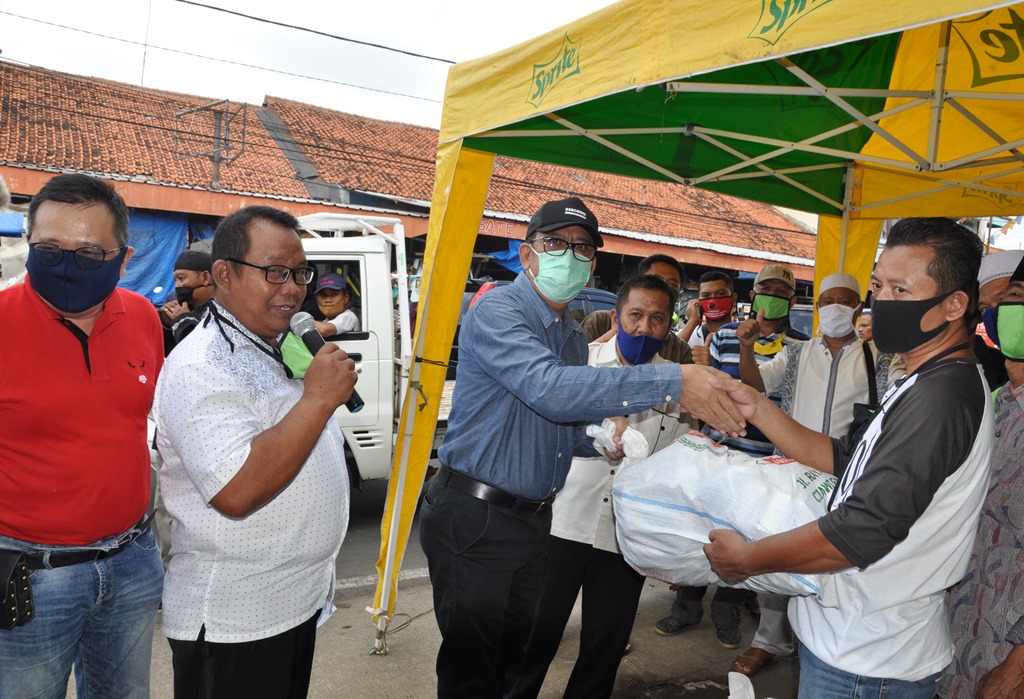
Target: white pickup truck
column 369, row 251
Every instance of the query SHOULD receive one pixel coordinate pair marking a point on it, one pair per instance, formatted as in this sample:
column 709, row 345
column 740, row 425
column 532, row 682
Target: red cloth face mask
column 716, row 308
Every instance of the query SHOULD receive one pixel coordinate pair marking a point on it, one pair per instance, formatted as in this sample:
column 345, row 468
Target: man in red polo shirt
column 79, row 360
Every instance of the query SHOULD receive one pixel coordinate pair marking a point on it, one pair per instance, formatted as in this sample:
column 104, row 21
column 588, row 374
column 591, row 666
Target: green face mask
column 1010, row 323
column 560, row 277
column 774, row 307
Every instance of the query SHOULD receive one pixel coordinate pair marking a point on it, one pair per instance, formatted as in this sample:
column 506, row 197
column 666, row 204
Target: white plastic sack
column 666, row 504
column 740, row 686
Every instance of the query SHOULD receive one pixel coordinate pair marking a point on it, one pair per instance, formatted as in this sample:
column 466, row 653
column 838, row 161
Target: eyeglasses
column 584, row 252
column 86, row 257
column 279, row 274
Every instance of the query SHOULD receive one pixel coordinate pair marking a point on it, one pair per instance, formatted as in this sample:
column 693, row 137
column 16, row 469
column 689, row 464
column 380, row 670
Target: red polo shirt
column 74, row 462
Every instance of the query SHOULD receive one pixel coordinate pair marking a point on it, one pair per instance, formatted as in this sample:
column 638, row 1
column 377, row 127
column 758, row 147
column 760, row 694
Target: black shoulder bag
column 864, row 413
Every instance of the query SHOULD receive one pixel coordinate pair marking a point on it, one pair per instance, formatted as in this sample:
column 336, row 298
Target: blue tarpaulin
column 158, row 238
column 201, row 230
column 509, row 259
column 12, row 224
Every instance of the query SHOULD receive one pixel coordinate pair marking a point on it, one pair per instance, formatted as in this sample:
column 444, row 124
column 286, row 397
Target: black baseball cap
column 564, row 213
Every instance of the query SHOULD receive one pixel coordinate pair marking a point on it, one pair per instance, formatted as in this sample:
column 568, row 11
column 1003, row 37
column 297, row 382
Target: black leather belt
column 488, row 493
column 58, row 559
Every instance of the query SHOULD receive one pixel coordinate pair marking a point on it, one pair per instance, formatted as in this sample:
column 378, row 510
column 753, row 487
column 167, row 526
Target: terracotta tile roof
column 391, row 158
column 52, row 119
column 650, row 206
column 360, row 153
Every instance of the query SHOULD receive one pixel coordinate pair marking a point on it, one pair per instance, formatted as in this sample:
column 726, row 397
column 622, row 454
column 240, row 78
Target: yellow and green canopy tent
column 857, row 111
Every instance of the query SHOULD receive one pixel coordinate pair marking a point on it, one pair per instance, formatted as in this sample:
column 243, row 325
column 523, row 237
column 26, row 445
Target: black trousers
column 270, row 668
column 611, row 594
column 725, row 605
column 486, row 564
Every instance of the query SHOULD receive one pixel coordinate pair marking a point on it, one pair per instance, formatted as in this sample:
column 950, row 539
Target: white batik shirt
column 258, row 576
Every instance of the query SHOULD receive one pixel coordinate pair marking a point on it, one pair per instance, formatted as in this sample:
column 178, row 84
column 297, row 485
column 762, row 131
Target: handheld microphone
column 303, row 325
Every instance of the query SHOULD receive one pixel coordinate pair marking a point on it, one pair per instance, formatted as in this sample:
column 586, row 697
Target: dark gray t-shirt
column 927, row 434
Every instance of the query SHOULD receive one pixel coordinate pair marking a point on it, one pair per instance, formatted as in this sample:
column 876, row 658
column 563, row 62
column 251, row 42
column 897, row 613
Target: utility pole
column 206, row 132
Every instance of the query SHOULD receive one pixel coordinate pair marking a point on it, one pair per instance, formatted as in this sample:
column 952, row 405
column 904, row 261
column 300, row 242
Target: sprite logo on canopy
column 546, row 75
column 995, row 41
column 777, row 16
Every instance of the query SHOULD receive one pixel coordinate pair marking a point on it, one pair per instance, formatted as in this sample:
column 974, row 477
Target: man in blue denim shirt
column 522, row 400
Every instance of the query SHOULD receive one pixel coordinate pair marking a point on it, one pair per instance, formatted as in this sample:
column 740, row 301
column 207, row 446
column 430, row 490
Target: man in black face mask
column 900, row 526
column 79, row 360
column 193, row 287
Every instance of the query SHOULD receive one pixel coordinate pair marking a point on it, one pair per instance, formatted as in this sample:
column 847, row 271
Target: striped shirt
column 725, row 355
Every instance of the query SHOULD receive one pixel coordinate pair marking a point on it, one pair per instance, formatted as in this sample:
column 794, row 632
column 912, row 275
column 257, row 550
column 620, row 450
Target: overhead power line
column 319, row 33
column 220, row 60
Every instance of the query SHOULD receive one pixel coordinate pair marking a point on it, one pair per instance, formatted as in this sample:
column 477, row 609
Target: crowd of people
column 920, row 543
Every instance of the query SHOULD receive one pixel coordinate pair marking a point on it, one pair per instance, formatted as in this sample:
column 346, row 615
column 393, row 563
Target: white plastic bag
column 666, row 504
column 740, row 686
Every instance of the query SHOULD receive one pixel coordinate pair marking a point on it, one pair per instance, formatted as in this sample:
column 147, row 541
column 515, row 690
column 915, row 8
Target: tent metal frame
column 916, row 165
column 937, row 100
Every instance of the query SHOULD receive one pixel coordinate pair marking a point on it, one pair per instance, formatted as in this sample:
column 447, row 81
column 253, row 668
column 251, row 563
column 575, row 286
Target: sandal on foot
column 750, row 662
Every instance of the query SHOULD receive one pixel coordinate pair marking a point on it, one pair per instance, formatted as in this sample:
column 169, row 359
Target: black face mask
column 897, row 324
column 183, row 294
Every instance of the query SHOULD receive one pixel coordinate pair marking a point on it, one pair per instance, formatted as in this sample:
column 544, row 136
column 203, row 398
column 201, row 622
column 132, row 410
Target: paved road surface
column 691, row 665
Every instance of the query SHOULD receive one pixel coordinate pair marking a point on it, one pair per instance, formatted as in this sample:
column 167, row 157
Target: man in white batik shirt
column 253, row 475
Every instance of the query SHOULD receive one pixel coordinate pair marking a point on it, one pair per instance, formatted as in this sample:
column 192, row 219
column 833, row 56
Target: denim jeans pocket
column 146, row 541
column 929, row 681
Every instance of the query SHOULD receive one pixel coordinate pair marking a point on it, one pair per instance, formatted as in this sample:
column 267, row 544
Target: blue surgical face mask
column 560, row 277
column 637, row 349
column 988, row 319
column 71, row 289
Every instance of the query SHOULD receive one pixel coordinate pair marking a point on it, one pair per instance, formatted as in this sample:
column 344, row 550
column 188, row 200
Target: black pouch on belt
column 16, row 607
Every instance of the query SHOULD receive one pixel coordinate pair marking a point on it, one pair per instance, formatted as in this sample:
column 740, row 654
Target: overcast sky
column 455, row 30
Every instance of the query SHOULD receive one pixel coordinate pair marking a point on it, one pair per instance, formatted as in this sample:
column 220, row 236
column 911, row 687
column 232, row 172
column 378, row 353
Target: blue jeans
column 96, row 616
column 819, row 680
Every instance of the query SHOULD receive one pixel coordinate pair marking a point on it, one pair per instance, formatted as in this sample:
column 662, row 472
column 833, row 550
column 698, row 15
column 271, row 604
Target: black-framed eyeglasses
column 86, row 257
column 584, row 252
column 279, row 274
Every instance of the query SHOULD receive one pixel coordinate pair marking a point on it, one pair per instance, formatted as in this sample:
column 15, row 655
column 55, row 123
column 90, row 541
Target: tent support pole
column 938, row 96
column 847, row 202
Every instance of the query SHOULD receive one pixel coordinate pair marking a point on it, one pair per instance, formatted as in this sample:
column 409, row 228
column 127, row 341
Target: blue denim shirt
column 524, row 393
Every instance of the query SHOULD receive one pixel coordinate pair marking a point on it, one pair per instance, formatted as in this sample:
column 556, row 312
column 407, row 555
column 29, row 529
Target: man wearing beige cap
column 820, row 381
